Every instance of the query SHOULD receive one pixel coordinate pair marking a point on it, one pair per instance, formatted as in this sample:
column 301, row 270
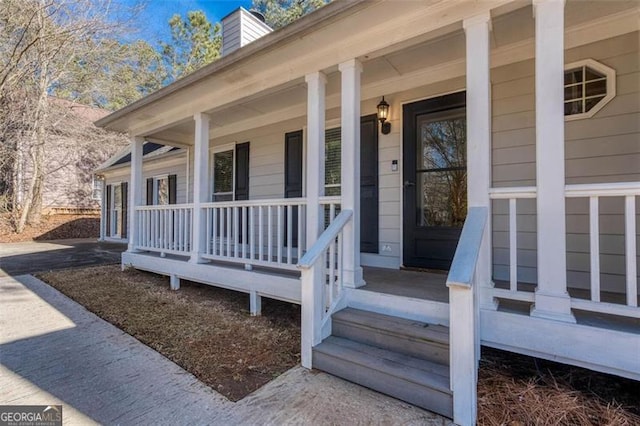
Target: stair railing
column 464, row 318
column 322, row 284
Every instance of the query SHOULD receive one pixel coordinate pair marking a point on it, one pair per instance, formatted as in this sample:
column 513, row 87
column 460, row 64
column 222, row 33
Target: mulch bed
column 206, row 330
column 209, row 332
column 53, row 227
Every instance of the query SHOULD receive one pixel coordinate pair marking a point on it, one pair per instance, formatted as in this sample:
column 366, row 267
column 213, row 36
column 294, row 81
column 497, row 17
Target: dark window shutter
column 293, row 177
column 242, row 171
column 108, row 218
column 173, row 189
column 150, row 191
column 125, row 208
column 369, row 184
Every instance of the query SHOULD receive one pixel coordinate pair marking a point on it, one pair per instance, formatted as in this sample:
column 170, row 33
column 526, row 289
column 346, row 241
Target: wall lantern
column 383, row 114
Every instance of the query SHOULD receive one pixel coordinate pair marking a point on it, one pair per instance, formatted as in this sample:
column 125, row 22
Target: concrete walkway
column 36, row 256
column 53, row 351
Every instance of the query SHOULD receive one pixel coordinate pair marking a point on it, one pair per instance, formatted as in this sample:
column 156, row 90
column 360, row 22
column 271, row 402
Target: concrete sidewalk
column 53, row 351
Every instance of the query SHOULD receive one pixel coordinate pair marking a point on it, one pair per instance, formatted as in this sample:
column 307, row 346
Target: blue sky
column 153, row 19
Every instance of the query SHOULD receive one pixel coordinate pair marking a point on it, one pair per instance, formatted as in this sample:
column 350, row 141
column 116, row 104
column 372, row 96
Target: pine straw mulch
column 209, row 332
column 206, row 330
column 53, row 227
column 518, row 390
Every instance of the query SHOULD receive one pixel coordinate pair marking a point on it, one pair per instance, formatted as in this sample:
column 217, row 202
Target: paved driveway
column 38, row 256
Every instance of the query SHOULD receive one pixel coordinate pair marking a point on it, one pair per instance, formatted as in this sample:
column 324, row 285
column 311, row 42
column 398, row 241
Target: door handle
column 408, row 184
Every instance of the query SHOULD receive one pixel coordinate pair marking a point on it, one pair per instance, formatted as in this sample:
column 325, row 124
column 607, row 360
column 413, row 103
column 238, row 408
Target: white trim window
column 332, row 163
column 116, row 210
column 588, row 86
column 223, row 162
column 161, row 190
column 96, row 188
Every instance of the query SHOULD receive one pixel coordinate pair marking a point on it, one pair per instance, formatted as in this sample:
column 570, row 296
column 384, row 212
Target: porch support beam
column 478, row 72
column 316, row 83
column 200, row 185
column 350, row 72
column 135, row 191
column 551, row 298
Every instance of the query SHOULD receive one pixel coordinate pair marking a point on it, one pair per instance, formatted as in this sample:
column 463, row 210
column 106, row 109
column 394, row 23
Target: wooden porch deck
column 426, row 285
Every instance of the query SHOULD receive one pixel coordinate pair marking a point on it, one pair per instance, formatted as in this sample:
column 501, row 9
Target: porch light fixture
column 383, row 114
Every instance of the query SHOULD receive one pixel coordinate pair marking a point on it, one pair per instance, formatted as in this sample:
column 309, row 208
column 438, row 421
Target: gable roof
column 149, row 150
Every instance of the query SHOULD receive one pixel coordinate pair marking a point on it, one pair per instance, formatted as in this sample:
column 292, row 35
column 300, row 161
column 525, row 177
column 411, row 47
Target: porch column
column 103, row 209
column 478, row 49
column 200, row 185
column 316, row 83
column 135, row 190
column 350, row 169
column 551, row 299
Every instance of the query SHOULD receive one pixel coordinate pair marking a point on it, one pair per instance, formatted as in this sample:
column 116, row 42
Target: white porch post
column 103, row 210
column 316, row 83
column 135, row 190
column 350, row 169
column 200, row 185
column 551, row 299
column 478, row 50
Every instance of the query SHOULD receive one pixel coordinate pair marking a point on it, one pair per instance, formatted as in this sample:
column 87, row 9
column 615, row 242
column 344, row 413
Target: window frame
column 156, row 187
column 116, row 213
column 217, row 150
column 97, row 189
column 610, row 76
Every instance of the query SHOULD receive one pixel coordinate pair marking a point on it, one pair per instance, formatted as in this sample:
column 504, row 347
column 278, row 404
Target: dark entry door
column 435, row 180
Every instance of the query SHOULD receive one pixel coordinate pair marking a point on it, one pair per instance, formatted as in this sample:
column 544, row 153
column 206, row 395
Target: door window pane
column 441, row 171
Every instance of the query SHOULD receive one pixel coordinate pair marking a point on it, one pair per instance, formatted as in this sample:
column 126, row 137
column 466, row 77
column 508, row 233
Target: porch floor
column 427, row 285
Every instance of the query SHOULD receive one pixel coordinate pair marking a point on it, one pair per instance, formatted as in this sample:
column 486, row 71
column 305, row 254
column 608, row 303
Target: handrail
column 614, row 189
column 256, row 203
column 164, row 207
column 464, row 260
column 327, row 237
column 513, row 192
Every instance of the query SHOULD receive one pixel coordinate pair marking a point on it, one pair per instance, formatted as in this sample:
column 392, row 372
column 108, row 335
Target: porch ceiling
column 433, row 56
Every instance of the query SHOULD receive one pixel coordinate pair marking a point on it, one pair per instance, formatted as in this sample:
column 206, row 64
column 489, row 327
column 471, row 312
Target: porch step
column 414, row 380
column 416, row 339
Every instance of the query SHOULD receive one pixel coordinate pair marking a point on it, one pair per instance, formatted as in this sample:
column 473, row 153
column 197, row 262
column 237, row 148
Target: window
column 116, row 211
column 96, row 188
column 161, row 190
column 223, row 176
column 332, row 166
column 588, row 86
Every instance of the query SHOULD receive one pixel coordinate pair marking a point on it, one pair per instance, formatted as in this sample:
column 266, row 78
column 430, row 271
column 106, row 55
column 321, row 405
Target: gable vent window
column 588, row 86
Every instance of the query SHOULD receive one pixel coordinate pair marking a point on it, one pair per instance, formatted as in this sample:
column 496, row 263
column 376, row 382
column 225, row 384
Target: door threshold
column 418, row 269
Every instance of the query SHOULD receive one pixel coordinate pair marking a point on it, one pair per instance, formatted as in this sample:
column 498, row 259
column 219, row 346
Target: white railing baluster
column 289, row 232
column 229, row 224
column 513, row 245
column 236, row 232
column 279, row 230
column 244, row 241
column 270, row 233
column 594, row 239
column 260, row 235
column 630, row 250
column 252, row 233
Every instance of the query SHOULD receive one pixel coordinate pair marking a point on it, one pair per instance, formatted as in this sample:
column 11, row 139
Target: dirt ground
column 206, row 330
column 209, row 332
column 54, row 227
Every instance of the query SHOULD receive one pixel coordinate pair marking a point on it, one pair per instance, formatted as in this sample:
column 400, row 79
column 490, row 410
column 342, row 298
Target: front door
column 435, row 180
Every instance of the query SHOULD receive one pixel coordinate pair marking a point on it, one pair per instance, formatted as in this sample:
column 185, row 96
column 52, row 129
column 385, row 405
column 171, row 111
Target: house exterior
column 499, row 208
column 74, row 147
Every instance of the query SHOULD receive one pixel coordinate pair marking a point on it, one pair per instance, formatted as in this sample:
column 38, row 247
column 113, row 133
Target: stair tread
column 415, row 370
column 394, row 325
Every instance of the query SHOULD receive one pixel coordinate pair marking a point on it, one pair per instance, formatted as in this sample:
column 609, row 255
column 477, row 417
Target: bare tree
column 44, row 45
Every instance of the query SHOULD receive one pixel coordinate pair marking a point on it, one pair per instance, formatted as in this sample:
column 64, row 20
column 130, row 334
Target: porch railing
column 322, row 284
column 594, row 192
column 165, row 229
column 464, row 318
column 256, row 232
column 629, row 191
